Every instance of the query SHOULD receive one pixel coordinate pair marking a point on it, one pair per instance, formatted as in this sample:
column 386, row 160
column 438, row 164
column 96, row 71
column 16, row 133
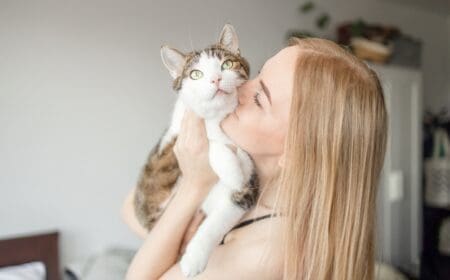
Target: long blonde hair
column 335, row 150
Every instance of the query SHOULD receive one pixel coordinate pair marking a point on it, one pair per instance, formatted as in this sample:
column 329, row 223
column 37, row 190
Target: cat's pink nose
column 216, row 80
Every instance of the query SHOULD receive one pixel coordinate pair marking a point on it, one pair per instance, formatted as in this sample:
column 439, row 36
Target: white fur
column 175, row 124
column 233, row 169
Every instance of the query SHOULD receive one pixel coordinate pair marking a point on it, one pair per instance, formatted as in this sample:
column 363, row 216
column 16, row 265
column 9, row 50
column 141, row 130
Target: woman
column 315, row 123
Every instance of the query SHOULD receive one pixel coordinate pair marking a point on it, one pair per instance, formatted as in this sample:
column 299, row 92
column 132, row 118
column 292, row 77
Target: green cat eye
column 227, row 64
column 196, row 74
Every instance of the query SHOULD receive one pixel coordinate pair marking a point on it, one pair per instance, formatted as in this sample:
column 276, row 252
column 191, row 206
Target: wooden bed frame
column 40, row 247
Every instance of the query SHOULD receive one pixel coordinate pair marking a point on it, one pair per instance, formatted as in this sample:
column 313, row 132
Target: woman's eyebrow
column 266, row 91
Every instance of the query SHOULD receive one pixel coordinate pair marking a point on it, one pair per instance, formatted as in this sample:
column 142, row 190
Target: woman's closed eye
column 256, row 100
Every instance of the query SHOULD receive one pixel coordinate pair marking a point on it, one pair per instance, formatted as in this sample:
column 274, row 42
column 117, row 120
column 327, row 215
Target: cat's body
column 206, row 82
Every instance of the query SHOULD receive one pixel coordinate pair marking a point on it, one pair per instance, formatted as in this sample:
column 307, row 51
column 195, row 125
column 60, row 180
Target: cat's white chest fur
column 234, row 170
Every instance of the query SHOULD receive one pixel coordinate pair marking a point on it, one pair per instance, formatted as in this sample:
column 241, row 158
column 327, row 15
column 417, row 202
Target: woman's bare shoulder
column 231, row 262
column 242, row 257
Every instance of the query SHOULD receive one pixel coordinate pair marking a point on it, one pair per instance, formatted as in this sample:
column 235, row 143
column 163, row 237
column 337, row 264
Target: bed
column 38, row 249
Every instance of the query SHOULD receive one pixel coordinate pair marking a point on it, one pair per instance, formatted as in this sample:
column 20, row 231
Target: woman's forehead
column 278, row 72
column 284, row 59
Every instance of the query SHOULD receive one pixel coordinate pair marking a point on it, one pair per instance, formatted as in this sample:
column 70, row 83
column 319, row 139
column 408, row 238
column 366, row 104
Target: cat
column 206, row 82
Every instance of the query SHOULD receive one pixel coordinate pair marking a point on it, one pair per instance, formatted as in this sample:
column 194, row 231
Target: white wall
column 84, row 96
column 423, row 24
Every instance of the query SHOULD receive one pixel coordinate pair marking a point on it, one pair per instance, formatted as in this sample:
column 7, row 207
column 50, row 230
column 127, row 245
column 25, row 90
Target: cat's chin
column 217, row 107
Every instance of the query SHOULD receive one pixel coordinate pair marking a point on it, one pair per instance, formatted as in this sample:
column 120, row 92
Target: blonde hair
column 335, row 149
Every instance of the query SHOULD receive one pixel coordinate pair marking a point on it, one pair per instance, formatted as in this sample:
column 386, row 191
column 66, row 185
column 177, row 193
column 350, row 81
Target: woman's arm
column 162, row 245
column 129, row 216
column 237, row 260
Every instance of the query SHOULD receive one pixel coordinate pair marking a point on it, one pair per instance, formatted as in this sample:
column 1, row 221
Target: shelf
column 438, row 210
column 434, row 265
column 432, row 220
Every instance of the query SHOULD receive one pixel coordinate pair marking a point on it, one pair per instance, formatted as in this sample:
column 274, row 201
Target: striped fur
column 155, row 185
column 247, row 197
column 217, row 50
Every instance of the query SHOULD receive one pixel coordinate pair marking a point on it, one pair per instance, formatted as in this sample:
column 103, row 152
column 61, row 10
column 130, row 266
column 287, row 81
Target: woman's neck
column 267, row 169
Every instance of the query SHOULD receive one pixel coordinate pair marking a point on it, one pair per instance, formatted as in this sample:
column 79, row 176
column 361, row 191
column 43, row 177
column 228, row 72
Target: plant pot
column 370, row 50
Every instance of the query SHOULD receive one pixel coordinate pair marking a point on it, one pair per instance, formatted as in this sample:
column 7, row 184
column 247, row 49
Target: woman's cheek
column 236, row 130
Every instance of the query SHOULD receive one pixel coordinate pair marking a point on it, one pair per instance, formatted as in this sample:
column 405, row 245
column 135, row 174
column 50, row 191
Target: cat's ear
column 228, row 38
column 174, row 61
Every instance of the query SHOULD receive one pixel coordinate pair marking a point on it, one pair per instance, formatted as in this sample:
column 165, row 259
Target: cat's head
column 207, row 80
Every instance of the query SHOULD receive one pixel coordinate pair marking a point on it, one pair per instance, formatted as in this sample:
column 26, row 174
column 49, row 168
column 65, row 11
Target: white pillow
column 27, row 271
column 111, row 264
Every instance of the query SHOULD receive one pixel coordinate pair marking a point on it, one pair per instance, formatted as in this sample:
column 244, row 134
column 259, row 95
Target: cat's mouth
column 220, row 92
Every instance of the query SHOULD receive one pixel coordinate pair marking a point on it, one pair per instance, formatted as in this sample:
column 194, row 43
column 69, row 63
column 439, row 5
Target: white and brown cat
column 206, row 82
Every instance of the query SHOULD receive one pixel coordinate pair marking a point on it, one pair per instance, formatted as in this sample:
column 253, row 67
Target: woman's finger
column 184, row 121
column 192, row 130
column 181, row 139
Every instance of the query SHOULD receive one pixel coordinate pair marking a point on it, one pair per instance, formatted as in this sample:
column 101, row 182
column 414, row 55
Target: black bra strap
column 247, row 222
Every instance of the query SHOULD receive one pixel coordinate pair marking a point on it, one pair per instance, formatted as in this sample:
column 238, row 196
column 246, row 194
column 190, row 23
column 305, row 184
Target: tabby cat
column 206, row 83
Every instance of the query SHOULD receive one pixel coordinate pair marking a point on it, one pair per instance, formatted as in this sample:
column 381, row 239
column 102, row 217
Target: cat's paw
column 194, row 260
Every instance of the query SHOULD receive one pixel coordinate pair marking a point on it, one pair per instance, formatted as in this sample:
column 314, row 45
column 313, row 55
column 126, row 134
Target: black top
column 247, row 222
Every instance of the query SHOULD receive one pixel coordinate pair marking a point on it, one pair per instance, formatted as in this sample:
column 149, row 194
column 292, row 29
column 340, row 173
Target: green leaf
column 307, row 7
column 357, row 28
column 323, row 20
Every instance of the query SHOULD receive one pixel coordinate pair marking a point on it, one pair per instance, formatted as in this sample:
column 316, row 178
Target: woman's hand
column 181, row 218
column 191, row 150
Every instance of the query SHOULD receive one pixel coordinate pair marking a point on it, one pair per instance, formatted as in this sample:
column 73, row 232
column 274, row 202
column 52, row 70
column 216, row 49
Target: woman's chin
column 229, row 124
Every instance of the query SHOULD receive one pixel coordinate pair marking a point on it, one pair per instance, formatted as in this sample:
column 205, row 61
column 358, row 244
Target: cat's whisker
column 190, row 39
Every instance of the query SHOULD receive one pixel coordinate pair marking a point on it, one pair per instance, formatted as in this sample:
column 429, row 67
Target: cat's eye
column 196, row 74
column 227, row 64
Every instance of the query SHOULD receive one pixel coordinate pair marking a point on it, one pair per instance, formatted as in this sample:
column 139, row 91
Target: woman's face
column 259, row 123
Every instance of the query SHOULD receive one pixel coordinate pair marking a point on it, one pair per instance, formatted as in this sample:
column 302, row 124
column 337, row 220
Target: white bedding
column 27, row 271
column 112, row 264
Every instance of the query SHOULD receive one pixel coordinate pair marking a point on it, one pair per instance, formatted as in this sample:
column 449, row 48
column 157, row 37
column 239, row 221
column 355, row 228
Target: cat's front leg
column 227, row 165
column 217, row 192
column 222, row 218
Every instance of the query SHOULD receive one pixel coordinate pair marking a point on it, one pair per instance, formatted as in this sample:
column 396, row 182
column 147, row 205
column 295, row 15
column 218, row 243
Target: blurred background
column 84, row 97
